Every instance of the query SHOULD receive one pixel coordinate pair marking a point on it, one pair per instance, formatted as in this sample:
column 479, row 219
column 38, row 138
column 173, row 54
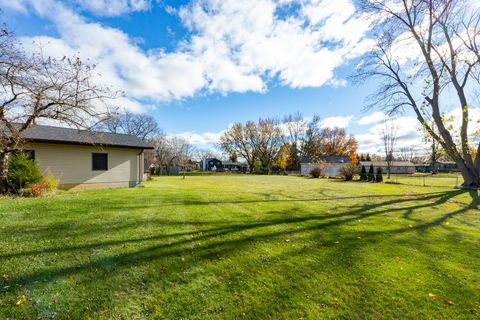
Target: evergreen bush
column 379, row 176
column 363, row 174
column 371, row 174
column 22, row 172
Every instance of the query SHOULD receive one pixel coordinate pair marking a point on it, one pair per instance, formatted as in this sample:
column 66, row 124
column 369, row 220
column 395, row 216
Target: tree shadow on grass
column 111, row 207
column 213, row 240
column 227, row 240
column 354, row 212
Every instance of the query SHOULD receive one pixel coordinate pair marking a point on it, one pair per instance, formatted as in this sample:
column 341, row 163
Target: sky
column 198, row 66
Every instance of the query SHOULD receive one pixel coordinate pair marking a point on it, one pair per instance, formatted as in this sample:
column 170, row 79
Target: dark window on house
column 30, row 154
column 99, row 161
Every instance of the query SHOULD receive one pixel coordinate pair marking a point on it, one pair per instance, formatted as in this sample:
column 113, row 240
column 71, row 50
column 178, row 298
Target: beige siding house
column 87, row 160
column 397, row 167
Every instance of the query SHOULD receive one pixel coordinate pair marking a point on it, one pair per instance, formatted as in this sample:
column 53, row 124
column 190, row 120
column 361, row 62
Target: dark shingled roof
column 51, row 134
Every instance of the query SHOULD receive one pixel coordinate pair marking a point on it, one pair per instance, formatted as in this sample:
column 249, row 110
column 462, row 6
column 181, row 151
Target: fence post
column 456, row 183
column 424, row 180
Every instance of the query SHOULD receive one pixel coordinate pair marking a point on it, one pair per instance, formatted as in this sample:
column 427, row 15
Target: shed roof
column 384, row 163
column 327, row 159
column 51, row 134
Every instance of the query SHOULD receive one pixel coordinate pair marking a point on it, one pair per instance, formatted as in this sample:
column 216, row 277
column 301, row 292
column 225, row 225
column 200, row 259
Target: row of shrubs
column 25, row 179
column 371, row 176
column 348, row 171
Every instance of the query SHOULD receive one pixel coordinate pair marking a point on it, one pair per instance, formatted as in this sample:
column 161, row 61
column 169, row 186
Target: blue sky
column 198, row 66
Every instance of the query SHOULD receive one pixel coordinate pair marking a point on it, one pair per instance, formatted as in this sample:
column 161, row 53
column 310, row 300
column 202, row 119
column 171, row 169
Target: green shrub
column 379, row 176
column 371, row 174
column 258, row 166
column 22, row 172
column 348, row 171
column 363, row 174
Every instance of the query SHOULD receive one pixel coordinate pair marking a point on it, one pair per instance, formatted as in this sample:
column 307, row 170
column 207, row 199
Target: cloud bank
column 232, row 46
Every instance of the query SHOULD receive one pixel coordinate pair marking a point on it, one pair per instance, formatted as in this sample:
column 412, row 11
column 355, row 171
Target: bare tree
column 202, row 154
column 268, row 142
column 389, row 137
column 35, row 87
column 446, row 36
column 163, row 156
column 409, row 153
column 142, row 126
column 310, row 142
column 172, row 152
column 295, row 127
column 241, row 139
column 254, row 141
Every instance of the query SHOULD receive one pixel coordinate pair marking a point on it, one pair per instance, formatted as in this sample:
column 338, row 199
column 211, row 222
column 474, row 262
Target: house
column 234, row 166
column 331, row 165
column 211, row 164
column 441, row 167
column 81, row 159
column 397, row 167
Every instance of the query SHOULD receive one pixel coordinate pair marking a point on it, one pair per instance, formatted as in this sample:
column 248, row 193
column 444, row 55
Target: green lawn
column 243, row 247
column 450, row 180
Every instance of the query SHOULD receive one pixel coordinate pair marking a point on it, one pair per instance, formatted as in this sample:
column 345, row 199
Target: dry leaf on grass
column 432, row 296
column 22, row 300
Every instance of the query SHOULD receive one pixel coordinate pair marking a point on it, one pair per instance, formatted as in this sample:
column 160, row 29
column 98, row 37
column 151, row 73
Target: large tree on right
column 427, row 57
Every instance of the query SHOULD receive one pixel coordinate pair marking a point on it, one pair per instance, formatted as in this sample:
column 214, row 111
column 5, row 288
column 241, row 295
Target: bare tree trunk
column 4, row 158
column 434, row 158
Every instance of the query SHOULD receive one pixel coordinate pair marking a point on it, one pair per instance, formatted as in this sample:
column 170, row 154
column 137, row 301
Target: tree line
column 268, row 143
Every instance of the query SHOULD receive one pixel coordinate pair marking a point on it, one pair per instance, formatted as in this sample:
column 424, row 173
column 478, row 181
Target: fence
column 429, row 180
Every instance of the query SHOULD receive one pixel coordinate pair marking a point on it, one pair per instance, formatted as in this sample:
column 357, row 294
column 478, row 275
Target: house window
column 30, row 154
column 99, row 161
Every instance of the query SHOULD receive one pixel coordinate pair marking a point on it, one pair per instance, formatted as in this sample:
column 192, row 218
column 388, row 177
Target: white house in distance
column 397, row 167
column 331, row 165
column 87, row 160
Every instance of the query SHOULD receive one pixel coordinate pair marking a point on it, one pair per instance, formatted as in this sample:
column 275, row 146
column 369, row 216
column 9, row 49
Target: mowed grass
column 450, row 180
column 242, row 247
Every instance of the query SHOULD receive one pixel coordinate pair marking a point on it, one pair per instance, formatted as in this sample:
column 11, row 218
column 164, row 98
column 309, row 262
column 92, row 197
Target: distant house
column 234, row 166
column 441, row 167
column 332, row 165
column 397, row 167
column 211, row 164
column 87, row 160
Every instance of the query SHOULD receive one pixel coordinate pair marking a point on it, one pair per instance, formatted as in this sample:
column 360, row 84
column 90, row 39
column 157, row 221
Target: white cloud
column 121, row 64
column 234, row 46
column 15, row 5
column 408, row 135
column 257, row 45
column 199, row 139
column 113, row 7
column 372, row 118
column 409, row 132
column 339, row 122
